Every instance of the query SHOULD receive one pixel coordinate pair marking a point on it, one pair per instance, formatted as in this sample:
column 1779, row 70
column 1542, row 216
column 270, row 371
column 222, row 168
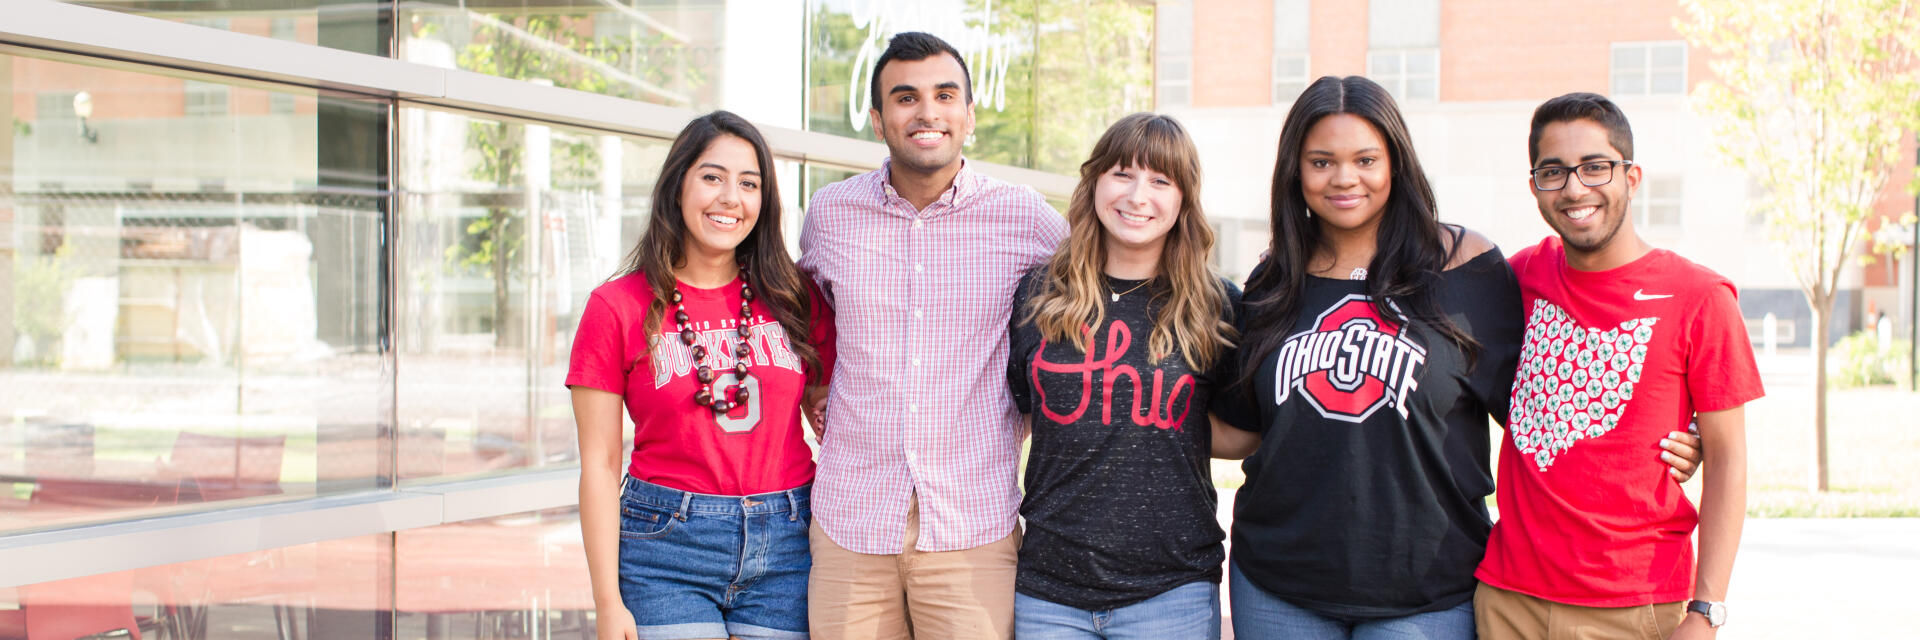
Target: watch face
column 1714, row 612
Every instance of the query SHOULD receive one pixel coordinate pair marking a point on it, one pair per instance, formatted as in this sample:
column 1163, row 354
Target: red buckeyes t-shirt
column 1611, row 361
column 755, row 448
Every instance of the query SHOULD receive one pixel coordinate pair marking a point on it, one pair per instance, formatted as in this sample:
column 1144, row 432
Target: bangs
column 1152, row 141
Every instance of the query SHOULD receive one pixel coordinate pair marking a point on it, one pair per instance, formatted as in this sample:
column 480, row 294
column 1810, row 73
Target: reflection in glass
column 360, row 26
column 523, row 575
column 1049, row 75
column 668, row 53
column 190, row 300
column 506, row 228
column 333, row 589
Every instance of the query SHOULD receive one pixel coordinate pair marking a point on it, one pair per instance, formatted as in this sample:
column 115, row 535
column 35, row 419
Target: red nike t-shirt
column 1611, row 361
column 757, row 447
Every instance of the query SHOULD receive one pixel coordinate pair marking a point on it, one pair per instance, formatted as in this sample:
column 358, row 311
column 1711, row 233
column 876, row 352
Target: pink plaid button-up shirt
column 919, row 401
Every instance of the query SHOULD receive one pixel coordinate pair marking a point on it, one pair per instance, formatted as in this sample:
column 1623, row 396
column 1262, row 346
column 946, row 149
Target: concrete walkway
column 1803, row 578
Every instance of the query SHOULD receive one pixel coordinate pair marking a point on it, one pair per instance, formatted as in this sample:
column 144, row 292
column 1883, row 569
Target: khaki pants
column 1507, row 615
column 959, row 595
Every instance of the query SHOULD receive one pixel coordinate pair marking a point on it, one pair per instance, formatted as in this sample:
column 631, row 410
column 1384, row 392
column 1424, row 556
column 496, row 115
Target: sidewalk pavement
column 1801, row 578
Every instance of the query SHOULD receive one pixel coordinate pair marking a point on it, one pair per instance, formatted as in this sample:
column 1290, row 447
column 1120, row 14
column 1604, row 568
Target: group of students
column 937, row 317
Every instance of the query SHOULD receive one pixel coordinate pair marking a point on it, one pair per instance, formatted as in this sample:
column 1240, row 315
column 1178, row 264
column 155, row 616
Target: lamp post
column 83, row 107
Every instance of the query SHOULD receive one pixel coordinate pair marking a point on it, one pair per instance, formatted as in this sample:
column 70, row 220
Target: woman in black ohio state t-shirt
column 1378, row 343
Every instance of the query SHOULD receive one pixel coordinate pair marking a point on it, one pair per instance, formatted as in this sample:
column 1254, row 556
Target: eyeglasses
column 1592, row 174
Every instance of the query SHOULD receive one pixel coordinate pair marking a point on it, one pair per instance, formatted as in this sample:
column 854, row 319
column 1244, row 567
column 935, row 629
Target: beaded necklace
column 705, row 397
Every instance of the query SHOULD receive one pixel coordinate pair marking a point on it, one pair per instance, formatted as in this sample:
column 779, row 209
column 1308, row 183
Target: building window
column 282, row 28
column 1403, row 40
column 1410, row 74
column 1290, row 77
column 206, row 99
column 1291, row 72
column 1658, row 206
column 1173, row 59
column 54, row 105
column 1649, row 68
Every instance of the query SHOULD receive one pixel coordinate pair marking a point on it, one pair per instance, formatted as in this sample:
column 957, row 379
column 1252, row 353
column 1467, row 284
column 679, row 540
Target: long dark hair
column 1409, row 254
column 770, row 270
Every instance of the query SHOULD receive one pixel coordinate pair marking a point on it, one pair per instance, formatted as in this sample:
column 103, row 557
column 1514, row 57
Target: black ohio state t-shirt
column 1120, row 504
column 1367, row 497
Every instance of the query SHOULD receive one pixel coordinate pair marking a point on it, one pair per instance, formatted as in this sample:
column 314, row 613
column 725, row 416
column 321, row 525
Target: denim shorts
column 694, row 565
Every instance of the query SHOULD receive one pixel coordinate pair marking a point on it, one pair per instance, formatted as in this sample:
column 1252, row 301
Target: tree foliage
column 1812, row 98
column 1080, row 65
column 550, row 49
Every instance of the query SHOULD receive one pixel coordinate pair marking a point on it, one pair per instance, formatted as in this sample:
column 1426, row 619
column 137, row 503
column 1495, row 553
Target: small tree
column 548, row 48
column 1812, row 98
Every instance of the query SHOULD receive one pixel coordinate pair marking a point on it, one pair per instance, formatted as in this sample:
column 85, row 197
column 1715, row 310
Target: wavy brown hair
column 770, row 270
column 1189, row 313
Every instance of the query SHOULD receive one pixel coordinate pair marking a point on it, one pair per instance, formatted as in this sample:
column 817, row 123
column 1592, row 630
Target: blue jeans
column 1258, row 614
column 1187, row 612
column 694, row 565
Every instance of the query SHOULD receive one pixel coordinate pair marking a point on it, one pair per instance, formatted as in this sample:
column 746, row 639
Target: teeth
column 1581, row 213
column 723, row 220
column 927, row 135
column 1132, row 218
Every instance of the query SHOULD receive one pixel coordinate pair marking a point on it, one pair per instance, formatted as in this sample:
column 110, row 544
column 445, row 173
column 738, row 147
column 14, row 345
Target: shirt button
column 913, row 408
column 919, row 223
column 916, row 313
column 916, row 362
column 919, row 267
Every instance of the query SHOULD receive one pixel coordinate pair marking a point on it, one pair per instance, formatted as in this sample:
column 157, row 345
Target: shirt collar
column 965, row 185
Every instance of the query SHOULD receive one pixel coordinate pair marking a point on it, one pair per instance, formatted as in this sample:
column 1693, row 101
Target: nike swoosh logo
column 1642, row 295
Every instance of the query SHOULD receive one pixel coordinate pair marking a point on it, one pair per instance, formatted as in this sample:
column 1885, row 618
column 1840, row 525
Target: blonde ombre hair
column 1071, row 297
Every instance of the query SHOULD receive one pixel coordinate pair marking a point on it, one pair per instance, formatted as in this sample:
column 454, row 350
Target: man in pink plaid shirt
column 915, row 502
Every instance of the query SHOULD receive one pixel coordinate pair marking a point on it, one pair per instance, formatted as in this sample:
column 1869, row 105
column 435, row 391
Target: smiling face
column 1137, row 206
column 720, row 197
column 1345, row 174
column 1588, row 219
column 923, row 114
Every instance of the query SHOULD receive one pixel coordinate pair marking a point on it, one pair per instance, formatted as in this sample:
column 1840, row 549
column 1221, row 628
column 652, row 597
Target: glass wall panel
column 670, row 52
column 190, row 298
column 333, row 589
column 506, row 228
column 360, row 26
column 1048, row 75
column 518, row 576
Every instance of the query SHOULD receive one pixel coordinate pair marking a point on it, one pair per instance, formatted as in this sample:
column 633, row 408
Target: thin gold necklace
column 1117, row 294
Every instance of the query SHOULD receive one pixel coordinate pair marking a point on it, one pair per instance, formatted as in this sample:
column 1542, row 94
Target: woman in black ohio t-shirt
column 1114, row 348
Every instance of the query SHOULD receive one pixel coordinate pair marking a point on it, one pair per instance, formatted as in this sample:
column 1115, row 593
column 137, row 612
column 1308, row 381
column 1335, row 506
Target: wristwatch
column 1714, row 612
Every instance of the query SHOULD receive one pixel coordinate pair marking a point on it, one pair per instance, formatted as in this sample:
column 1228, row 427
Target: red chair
column 227, row 467
column 71, row 609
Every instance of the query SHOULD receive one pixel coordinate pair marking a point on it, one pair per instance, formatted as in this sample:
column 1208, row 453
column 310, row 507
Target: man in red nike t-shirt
column 1624, row 344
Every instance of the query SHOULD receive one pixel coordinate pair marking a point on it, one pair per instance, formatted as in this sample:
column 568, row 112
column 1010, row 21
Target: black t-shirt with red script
column 1367, row 497
column 1120, row 504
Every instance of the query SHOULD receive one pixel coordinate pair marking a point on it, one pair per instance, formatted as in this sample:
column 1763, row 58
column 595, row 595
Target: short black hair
column 913, row 46
column 1582, row 106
